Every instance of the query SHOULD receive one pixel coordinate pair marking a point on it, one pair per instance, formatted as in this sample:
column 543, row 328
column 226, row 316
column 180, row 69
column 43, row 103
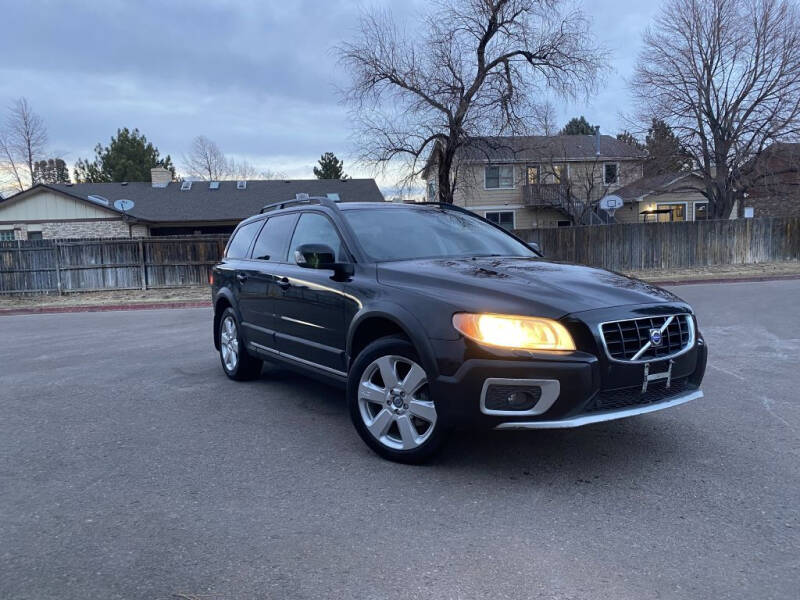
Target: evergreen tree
column 630, row 139
column 129, row 157
column 330, row 167
column 665, row 152
column 578, row 126
column 50, row 171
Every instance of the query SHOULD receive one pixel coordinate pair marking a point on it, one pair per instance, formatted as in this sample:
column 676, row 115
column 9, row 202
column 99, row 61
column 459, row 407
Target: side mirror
column 536, row 248
column 315, row 256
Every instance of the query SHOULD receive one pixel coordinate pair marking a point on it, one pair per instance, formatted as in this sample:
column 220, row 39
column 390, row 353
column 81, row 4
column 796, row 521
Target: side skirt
column 305, row 366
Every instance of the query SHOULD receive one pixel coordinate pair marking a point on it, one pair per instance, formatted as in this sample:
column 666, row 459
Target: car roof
column 342, row 206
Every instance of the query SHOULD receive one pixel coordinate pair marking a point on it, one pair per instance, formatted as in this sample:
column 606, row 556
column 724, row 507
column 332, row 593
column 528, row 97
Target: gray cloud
column 257, row 77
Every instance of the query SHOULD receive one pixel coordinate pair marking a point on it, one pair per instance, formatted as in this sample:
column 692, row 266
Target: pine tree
column 129, row 157
column 330, row 167
column 578, row 126
column 665, row 152
column 630, row 139
column 50, row 171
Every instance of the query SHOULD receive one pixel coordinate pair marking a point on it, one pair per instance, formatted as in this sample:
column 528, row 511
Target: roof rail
column 449, row 206
column 321, row 200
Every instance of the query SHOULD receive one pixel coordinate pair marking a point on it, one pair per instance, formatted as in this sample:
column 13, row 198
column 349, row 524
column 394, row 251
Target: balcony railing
column 545, row 194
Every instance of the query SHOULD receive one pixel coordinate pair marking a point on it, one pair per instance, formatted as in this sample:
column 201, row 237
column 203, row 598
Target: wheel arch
column 223, row 300
column 377, row 322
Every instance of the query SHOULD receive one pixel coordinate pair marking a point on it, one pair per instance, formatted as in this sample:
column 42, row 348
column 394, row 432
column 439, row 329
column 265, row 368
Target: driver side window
column 314, row 228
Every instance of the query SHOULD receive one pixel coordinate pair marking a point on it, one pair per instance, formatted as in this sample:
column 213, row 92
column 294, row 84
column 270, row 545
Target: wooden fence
column 655, row 246
column 40, row 266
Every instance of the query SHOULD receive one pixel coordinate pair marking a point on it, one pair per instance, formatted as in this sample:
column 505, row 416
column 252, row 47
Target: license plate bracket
column 650, row 377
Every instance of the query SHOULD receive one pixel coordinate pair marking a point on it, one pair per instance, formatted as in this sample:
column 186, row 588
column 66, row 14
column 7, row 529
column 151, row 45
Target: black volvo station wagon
column 435, row 318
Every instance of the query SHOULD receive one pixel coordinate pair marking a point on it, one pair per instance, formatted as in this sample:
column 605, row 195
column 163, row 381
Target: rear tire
column 388, row 396
column 237, row 363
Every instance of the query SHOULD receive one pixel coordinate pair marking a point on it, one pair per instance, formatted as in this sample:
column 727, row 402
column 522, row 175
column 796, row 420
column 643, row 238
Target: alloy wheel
column 394, row 402
column 229, row 343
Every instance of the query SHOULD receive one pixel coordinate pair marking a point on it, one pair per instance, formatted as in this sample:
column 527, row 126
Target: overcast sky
column 258, row 77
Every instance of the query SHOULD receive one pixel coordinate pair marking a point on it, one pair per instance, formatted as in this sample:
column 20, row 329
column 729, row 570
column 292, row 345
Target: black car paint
column 276, row 302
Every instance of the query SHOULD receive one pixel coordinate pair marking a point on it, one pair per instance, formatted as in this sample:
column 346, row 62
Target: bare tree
column 9, row 170
column 476, row 70
column 23, row 140
column 244, row 170
column 725, row 75
column 206, row 160
column 544, row 119
column 576, row 189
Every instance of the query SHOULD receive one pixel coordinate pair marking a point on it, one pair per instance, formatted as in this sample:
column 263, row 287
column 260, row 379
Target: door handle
column 241, row 277
column 284, row 283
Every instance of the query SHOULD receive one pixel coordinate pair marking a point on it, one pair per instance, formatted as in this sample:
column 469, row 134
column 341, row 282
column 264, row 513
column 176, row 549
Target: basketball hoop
column 610, row 204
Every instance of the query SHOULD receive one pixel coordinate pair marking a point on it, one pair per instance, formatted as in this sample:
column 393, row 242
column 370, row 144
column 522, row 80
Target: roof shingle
column 226, row 203
column 548, row 148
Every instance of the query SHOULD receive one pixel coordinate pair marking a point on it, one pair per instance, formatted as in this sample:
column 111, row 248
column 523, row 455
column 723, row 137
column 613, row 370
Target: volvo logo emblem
column 655, row 337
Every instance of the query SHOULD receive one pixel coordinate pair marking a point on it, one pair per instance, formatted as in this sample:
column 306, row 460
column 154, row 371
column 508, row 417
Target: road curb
column 38, row 310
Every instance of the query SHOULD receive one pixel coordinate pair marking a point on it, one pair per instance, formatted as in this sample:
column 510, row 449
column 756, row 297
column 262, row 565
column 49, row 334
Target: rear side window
column 271, row 242
column 313, row 228
column 242, row 238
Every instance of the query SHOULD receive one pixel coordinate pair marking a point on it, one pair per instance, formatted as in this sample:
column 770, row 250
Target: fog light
column 512, row 397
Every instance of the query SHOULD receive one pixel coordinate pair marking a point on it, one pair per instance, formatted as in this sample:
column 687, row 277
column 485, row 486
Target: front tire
column 390, row 402
column 237, row 363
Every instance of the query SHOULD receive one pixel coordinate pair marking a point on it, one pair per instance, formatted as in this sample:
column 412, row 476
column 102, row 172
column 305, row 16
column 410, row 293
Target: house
column 162, row 207
column 774, row 183
column 663, row 198
column 540, row 181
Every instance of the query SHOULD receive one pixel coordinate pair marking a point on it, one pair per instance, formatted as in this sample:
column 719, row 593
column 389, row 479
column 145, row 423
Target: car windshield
column 417, row 232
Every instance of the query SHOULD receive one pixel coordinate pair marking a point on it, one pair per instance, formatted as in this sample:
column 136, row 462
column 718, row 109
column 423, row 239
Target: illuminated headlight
column 509, row 331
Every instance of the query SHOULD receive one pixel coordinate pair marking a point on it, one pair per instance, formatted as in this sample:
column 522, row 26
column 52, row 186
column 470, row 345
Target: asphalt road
column 130, row 467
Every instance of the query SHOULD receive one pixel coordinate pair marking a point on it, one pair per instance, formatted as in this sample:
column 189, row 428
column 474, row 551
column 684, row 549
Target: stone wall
column 85, row 229
column 139, row 230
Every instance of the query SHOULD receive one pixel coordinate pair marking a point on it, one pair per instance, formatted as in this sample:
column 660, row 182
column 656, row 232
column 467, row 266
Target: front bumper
column 588, row 419
column 592, row 389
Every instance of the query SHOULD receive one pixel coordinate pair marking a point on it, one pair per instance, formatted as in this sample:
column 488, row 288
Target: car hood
column 520, row 285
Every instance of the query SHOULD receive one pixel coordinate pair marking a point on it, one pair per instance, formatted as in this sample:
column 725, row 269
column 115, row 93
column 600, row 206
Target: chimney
column 597, row 140
column 160, row 177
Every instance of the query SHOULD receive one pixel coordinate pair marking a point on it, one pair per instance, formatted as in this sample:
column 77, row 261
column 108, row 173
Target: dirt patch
column 188, row 294
column 726, row 272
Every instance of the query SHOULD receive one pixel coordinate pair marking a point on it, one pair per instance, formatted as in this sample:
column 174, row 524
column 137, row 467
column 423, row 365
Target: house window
column 499, row 177
column 610, row 173
column 7, row 235
column 557, row 174
column 34, row 235
column 503, row 218
column 668, row 212
column 563, row 223
column 701, row 211
column 533, row 174
column 431, row 191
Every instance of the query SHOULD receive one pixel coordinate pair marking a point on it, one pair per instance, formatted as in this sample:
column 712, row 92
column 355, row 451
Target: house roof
column 200, row 203
column 548, row 148
column 654, row 184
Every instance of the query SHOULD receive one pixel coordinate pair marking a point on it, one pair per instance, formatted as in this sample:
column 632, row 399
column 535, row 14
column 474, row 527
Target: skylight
column 332, row 196
column 186, row 186
column 98, row 200
column 241, row 185
column 214, row 185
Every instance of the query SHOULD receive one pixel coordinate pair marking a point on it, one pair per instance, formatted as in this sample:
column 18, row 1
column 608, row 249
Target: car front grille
column 656, row 392
column 631, row 340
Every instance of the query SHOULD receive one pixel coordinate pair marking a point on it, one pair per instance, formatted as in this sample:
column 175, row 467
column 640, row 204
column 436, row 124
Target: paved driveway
column 130, row 467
